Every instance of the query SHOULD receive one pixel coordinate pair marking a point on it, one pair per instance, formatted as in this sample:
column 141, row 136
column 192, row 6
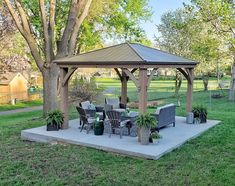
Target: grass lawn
column 206, row 160
column 18, row 105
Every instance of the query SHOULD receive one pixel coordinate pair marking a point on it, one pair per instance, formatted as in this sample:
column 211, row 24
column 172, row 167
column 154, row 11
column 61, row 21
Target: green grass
column 18, row 105
column 206, row 160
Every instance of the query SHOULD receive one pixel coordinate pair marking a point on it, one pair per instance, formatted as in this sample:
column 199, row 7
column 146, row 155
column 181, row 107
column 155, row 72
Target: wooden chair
column 114, row 119
column 86, row 119
column 116, row 105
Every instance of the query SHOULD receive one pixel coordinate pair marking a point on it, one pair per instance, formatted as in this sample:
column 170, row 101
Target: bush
column 83, row 90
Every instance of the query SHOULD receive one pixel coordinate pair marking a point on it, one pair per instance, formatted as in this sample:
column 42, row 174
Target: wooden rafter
column 118, row 73
column 133, row 70
column 190, row 75
column 132, row 77
column 68, row 75
column 185, row 73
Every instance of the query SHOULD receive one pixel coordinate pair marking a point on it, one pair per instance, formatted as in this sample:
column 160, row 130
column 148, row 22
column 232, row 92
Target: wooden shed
column 13, row 86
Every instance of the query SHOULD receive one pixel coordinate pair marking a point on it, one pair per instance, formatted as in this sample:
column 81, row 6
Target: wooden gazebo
column 126, row 58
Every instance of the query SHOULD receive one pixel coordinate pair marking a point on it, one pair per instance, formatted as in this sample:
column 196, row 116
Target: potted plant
column 200, row 113
column 154, row 137
column 54, row 119
column 145, row 122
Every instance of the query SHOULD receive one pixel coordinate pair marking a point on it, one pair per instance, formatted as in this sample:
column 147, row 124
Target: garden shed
column 13, row 85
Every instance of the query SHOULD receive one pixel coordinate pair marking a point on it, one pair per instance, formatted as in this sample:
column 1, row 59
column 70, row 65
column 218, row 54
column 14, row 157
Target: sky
column 159, row 7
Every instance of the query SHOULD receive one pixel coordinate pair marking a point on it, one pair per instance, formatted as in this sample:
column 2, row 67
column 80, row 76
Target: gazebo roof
column 125, row 54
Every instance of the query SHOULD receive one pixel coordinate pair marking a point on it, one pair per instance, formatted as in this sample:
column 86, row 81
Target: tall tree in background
column 56, row 28
column 184, row 33
column 14, row 55
column 219, row 15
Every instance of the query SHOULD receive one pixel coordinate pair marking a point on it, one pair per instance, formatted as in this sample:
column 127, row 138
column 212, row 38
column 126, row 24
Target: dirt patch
column 135, row 105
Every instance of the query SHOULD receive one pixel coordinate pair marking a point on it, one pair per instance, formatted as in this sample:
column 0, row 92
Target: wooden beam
column 68, row 75
column 184, row 72
column 190, row 90
column 132, row 77
column 64, row 98
column 151, row 76
column 118, row 73
column 143, row 79
column 124, row 88
column 133, row 70
column 190, row 75
column 130, row 66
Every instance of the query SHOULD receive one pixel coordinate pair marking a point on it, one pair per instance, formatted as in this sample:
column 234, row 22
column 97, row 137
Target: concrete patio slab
column 172, row 138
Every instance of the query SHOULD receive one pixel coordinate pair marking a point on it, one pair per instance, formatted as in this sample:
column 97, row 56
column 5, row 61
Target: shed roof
column 6, row 78
column 125, row 54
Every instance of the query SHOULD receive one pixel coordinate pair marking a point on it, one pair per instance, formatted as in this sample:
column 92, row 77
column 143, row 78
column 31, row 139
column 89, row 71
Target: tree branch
column 45, row 31
column 51, row 29
column 79, row 20
column 23, row 16
column 27, row 35
column 73, row 13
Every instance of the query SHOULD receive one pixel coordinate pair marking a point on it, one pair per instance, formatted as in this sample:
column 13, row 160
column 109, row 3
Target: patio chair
column 115, row 104
column 114, row 119
column 89, row 108
column 86, row 118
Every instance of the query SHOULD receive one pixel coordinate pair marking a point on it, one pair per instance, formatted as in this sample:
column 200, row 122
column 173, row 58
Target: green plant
column 83, row 89
column 55, row 117
column 199, row 110
column 146, row 121
column 155, row 135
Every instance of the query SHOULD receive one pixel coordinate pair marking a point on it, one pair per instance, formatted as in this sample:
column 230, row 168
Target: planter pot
column 156, row 141
column 51, row 127
column 189, row 118
column 203, row 118
column 197, row 120
column 144, row 136
column 99, row 128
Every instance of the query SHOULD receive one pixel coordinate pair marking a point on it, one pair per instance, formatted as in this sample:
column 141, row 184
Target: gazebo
column 126, row 59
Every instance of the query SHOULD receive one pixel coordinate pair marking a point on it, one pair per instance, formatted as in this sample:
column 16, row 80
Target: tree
column 13, row 49
column 184, row 34
column 219, row 15
column 51, row 35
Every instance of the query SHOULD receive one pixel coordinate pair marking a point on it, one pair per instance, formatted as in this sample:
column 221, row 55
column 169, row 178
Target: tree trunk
column 205, row 79
column 232, row 83
column 50, row 85
column 178, row 82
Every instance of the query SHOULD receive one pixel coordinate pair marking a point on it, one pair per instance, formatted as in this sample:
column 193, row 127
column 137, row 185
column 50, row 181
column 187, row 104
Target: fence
column 19, row 96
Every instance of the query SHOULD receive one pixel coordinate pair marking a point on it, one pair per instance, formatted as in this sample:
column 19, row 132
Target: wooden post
column 64, row 97
column 189, row 90
column 143, row 83
column 124, row 80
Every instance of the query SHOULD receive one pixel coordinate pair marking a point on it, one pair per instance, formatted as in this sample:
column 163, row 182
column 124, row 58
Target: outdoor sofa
column 165, row 115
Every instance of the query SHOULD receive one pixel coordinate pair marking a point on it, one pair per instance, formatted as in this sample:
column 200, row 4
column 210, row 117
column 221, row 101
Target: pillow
column 85, row 104
column 91, row 107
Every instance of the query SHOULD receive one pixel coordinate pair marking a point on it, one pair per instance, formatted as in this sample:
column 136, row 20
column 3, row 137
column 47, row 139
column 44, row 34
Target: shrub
column 83, row 90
